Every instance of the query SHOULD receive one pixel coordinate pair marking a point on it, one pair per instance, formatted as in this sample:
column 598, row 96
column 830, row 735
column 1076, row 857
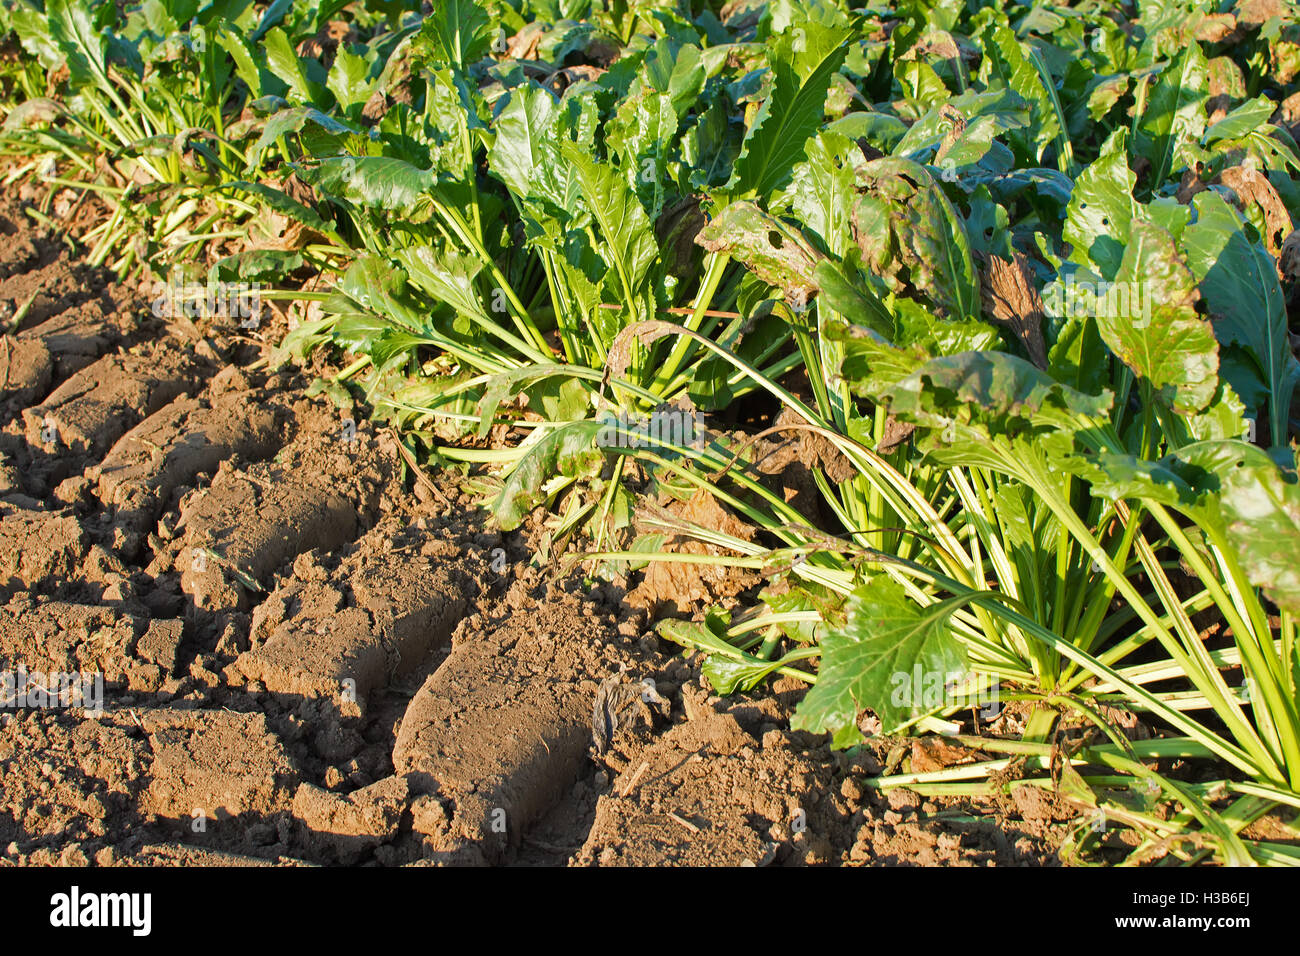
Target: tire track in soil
column 303, row 662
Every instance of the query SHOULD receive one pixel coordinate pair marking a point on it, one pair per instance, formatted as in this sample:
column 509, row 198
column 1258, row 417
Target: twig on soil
column 631, row 784
column 420, row 476
column 683, row 821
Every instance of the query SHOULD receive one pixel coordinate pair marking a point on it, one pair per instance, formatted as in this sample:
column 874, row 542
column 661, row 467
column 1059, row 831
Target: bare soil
column 306, row 662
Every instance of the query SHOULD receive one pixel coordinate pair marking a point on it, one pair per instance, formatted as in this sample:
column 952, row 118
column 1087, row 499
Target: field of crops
column 932, row 360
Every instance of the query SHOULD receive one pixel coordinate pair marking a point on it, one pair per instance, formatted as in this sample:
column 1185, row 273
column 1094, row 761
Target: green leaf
column 526, row 152
column 1239, row 282
column 445, row 276
column 821, row 192
column 1105, row 94
column 271, row 265
column 1166, row 343
column 458, row 32
column 792, row 112
column 293, row 119
column 1101, row 209
column 923, row 89
column 1009, row 62
column 710, row 147
column 35, row 35
column 83, row 46
column 348, row 79
column 506, row 385
column 851, row 299
column 628, row 235
column 1246, row 118
column 986, row 115
column 377, row 286
column 1262, row 506
column 727, row 669
column 284, row 63
column 242, row 54
column 282, row 203
column 1190, row 480
column 872, row 661
column 379, row 182
column 1079, row 357
column 871, row 365
column 1174, row 114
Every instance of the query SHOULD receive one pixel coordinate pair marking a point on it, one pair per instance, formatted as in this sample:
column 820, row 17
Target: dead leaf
column 375, row 108
column 1127, row 722
column 1214, row 27
column 816, row 450
column 935, row 753
column 617, row 706
column 1255, row 13
column 1217, row 107
column 671, row 586
column 958, row 121
column 1251, row 185
column 676, row 229
column 1289, row 261
column 582, row 71
column 1013, row 302
column 1189, row 186
column 328, row 38
column 1288, row 114
column 896, row 433
column 523, row 45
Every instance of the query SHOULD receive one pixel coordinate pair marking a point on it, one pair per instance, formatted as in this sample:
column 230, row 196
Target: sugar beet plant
column 1017, row 278
column 512, row 234
column 161, row 111
column 1062, row 516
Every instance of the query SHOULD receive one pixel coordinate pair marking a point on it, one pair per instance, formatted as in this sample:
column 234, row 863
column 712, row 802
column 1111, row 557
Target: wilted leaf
column 775, row 252
column 928, row 236
column 567, row 451
column 1252, row 187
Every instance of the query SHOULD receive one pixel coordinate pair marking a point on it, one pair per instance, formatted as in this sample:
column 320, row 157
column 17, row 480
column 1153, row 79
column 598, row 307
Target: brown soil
column 303, row 661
